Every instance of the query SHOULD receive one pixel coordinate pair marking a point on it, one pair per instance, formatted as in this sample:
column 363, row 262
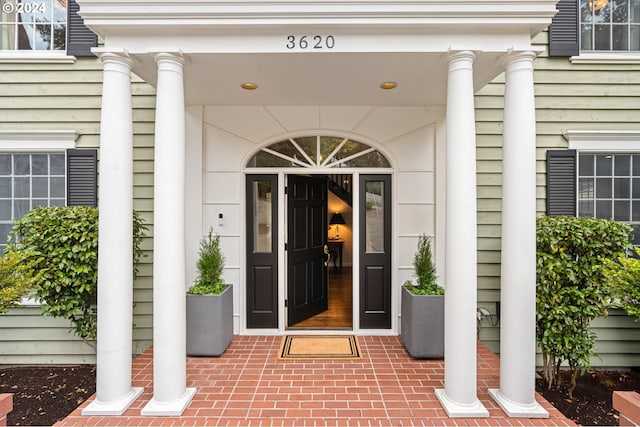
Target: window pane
column 586, row 188
column 620, row 37
column 25, row 36
column 5, row 229
column 20, row 208
column 587, row 164
column 604, row 165
column 21, row 164
column 622, row 188
column 5, row 210
column 601, row 11
column 56, row 202
column 636, row 188
column 5, row 164
column 635, row 38
column 42, row 40
column 40, row 187
column 635, row 210
column 620, row 11
column 40, row 202
column 57, row 164
column 586, row 37
column 603, row 209
column 21, row 187
column 310, row 146
column 59, row 37
column 603, row 188
column 372, row 159
column 602, row 37
column 262, row 218
column 636, row 235
column 621, row 210
column 634, row 12
column 267, row 160
column 57, row 187
column 636, row 165
column 40, row 164
column 585, row 208
column 5, row 188
column 374, row 216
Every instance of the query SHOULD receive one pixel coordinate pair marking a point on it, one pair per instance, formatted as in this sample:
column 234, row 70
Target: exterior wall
column 406, row 135
column 60, row 96
column 568, row 97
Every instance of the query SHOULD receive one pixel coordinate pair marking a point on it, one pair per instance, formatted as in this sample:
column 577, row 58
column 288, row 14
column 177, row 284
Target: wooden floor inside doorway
column 340, row 312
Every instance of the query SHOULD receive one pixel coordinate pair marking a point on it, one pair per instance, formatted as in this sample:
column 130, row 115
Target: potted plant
column 422, row 326
column 209, row 303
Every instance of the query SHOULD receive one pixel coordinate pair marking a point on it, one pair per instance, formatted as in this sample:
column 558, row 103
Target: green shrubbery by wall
column 572, row 287
column 57, row 250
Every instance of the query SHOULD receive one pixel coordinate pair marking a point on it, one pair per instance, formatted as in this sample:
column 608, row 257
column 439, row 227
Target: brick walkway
column 250, row 386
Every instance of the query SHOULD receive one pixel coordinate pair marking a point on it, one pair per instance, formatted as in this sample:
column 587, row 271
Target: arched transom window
column 318, row 151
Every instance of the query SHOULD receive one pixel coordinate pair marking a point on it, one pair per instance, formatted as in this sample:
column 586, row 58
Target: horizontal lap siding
column 568, row 97
column 68, row 97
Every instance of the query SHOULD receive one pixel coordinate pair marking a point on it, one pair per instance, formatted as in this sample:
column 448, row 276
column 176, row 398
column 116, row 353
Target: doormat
column 319, row 347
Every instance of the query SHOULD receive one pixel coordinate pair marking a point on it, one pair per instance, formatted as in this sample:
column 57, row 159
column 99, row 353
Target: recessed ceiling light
column 388, row 85
column 249, row 86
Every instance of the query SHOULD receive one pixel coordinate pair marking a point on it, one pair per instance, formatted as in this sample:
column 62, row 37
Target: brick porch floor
column 248, row 385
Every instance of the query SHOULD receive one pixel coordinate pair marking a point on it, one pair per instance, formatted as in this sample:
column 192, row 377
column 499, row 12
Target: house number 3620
column 310, row 42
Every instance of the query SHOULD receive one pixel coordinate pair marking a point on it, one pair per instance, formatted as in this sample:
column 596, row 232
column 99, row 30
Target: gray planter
column 209, row 323
column 422, row 326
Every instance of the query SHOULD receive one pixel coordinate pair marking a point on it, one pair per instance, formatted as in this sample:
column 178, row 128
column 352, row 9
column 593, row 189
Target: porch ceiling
column 227, row 43
column 318, row 79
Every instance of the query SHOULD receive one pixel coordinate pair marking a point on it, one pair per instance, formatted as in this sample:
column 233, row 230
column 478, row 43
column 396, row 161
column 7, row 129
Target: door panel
column 375, row 251
column 307, row 233
column 262, row 251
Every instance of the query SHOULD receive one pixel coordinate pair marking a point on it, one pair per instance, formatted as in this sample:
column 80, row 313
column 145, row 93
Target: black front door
column 307, row 292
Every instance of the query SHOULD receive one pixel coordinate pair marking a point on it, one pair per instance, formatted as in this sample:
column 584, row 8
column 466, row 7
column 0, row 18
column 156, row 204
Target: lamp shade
column 337, row 218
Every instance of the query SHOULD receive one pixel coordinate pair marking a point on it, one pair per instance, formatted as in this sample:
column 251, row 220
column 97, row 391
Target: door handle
column 328, row 254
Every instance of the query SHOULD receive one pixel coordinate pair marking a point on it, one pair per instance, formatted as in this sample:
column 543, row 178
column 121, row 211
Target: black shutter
column 563, row 32
column 80, row 39
column 82, row 180
column 561, row 182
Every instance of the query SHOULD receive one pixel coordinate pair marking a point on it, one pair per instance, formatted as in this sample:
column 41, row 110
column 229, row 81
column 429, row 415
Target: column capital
column 518, row 60
column 113, row 56
column 172, row 59
column 458, row 58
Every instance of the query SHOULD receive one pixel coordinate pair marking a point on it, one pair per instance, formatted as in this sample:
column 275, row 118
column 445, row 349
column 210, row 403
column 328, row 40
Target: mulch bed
column 591, row 403
column 45, row 395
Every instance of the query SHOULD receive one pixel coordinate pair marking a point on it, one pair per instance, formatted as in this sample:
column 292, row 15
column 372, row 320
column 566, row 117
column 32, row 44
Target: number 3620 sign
column 310, row 42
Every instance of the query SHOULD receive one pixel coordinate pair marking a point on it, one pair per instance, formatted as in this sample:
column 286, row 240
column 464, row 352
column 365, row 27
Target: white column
column 516, row 395
column 459, row 397
column 114, row 393
column 170, row 394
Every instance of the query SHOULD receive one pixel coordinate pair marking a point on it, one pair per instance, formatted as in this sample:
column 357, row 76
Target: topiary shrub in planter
column 209, row 303
column 422, row 305
column 573, row 288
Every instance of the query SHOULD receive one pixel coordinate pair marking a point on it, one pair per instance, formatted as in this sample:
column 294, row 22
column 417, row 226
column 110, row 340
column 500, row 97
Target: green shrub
column 210, row 265
column 15, row 282
column 60, row 245
column 624, row 274
column 572, row 287
column 425, row 270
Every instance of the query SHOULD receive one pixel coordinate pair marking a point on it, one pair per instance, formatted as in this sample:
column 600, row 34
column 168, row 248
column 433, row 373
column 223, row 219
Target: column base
column 174, row 408
column 461, row 410
column 116, row 407
column 518, row 410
